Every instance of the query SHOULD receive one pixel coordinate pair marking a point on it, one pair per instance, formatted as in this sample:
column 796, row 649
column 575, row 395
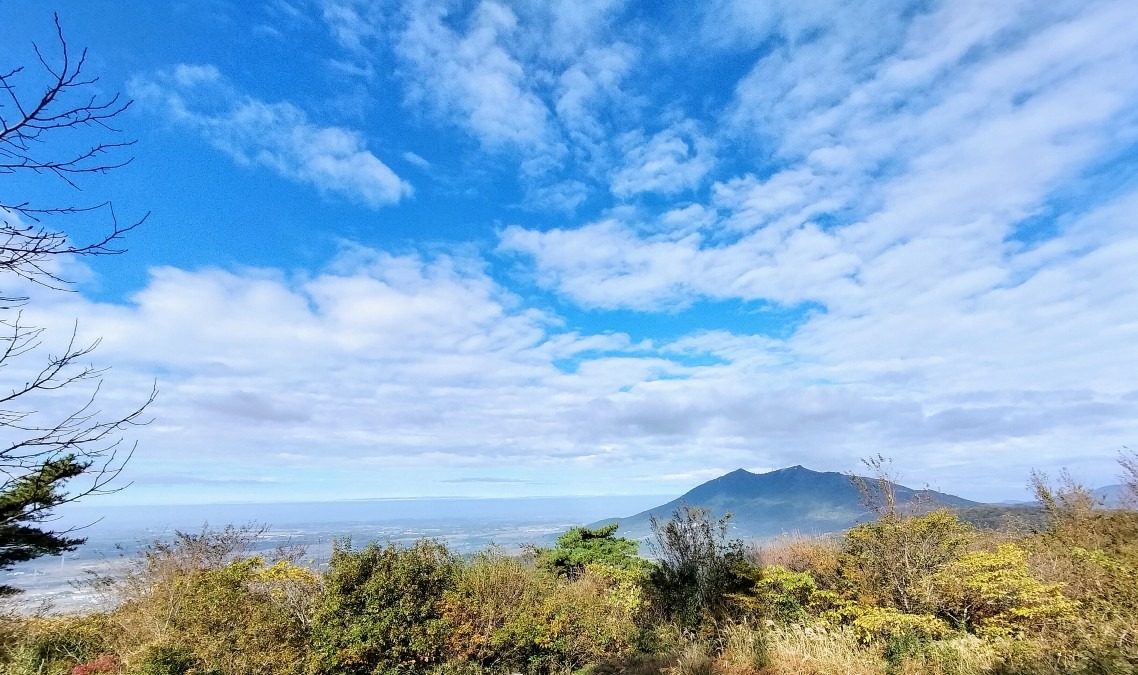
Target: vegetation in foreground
column 911, row 592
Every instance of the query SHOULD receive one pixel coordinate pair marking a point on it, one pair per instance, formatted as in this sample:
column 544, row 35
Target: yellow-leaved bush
column 992, row 593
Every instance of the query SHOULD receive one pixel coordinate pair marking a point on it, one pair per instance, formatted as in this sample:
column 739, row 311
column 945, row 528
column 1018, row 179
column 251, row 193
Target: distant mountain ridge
column 794, row 499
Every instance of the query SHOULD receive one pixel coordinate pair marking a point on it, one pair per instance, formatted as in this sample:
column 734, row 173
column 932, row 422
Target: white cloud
column 893, row 203
column 881, row 160
column 472, row 75
column 672, row 161
column 416, row 160
column 589, row 84
column 353, row 23
column 278, row 136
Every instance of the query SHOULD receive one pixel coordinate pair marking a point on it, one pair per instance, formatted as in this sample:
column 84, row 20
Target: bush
column 203, row 597
column 53, row 646
column 697, row 567
column 167, row 660
column 776, row 593
column 889, row 626
column 382, row 610
column 993, row 594
column 891, row 561
column 504, row 613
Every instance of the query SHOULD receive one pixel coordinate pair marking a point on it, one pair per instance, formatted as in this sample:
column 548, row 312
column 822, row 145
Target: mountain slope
column 794, row 499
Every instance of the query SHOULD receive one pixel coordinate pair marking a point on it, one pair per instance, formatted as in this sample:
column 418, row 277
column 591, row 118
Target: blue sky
column 417, row 248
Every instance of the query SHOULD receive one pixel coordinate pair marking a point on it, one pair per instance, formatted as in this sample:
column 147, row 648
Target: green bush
column 776, row 593
column 167, row 660
column 582, row 546
column 697, row 568
column 506, row 614
column 382, row 610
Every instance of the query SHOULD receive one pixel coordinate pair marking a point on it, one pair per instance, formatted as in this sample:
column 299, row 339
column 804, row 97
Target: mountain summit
column 794, row 499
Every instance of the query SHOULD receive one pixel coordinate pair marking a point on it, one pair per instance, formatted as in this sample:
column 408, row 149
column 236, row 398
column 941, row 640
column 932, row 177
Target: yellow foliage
column 890, row 561
column 992, row 593
column 882, row 623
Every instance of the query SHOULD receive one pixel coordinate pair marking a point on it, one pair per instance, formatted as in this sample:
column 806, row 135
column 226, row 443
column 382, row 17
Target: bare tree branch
column 42, row 450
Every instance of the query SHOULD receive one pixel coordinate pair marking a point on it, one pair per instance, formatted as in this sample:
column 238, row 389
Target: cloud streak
column 277, row 136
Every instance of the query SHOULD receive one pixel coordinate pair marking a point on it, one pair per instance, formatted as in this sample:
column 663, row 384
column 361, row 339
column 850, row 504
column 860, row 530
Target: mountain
column 791, row 500
column 1110, row 496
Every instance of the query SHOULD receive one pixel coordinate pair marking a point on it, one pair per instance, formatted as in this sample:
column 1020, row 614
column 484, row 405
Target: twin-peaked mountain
column 792, row 500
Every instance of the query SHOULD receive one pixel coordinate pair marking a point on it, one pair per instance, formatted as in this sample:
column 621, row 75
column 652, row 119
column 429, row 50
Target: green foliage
column 891, row 560
column 505, row 614
column 52, row 646
column 582, row 546
column 775, row 593
column 167, row 659
column 25, row 502
column 382, row 609
column 993, row 593
column 697, row 566
column 889, row 625
column 203, row 595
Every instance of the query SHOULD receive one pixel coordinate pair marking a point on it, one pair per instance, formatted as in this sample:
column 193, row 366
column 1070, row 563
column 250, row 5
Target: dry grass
column 799, row 650
column 744, row 650
column 965, row 655
column 694, row 660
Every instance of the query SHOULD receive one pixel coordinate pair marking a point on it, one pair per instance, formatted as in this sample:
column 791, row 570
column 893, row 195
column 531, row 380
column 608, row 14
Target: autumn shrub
column 382, row 609
column 890, row 561
column 775, row 593
column 504, row 613
column 204, row 596
column 493, row 596
column 820, row 556
column 992, row 593
column 53, row 645
column 170, row 659
column 104, row 663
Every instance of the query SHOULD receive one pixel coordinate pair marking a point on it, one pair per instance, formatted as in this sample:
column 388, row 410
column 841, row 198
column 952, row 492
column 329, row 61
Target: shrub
column 106, row 663
column 992, row 593
column 891, row 561
column 51, row 646
column 504, row 613
column 776, row 593
column 203, row 596
column 888, row 625
column 167, row 659
column 697, row 567
column 382, row 609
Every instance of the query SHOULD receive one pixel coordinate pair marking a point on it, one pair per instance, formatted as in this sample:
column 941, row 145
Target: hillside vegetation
column 913, row 591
